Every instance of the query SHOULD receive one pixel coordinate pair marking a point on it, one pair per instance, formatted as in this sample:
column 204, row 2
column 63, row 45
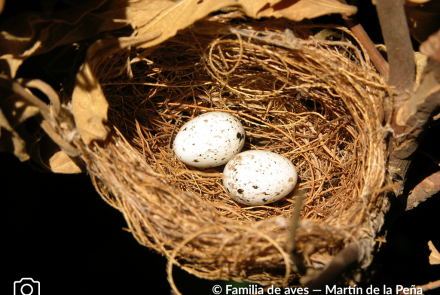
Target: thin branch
column 58, row 139
column 399, row 48
column 375, row 56
column 413, row 118
column 336, row 267
column 430, row 286
column 427, row 287
column 424, row 190
column 291, row 244
column 295, row 218
column 29, row 97
column 401, row 76
column 46, row 89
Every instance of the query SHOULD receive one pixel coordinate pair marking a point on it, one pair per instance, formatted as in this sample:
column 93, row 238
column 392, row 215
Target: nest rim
column 337, row 229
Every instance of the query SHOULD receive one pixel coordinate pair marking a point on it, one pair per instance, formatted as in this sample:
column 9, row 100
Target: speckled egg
column 209, row 140
column 259, row 177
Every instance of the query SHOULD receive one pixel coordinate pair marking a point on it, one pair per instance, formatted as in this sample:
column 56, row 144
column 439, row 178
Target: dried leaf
column 295, row 10
column 252, row 8
column 32, row 33
column 50, row 157
column 16, row 110
column 11, row 140
column 60, row 162
column 169, row 16
column 89, row 105
column 13, row 112
column 37, row 33
column 434, row 258
column 421, row 61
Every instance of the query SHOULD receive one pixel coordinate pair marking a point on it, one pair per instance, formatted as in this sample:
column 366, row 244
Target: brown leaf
column 89, row 105
column 434, row 258
column 169, row 16
column 16, row 110
column 60, row 162
column 13, row 140
column 295, row 10
column 421, row 61
column 53, row 159
column 13, row 112
column 32, row 33
column 252, row 8
column 154, row 20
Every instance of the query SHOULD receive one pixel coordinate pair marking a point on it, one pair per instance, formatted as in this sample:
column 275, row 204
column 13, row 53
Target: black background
column 56, row 229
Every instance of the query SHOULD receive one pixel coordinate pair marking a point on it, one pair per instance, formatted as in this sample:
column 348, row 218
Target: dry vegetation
column 313, row 101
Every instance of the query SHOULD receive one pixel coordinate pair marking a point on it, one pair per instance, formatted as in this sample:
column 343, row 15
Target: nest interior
column 316, row 102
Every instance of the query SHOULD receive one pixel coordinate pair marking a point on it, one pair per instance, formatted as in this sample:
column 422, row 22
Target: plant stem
column 399, row 48
column 377, row 58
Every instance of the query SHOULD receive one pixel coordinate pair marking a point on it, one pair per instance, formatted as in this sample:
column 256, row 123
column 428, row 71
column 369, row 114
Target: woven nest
column 313, row 101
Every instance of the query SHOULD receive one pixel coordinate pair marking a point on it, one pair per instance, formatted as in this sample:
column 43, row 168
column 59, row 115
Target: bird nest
column 316, row 102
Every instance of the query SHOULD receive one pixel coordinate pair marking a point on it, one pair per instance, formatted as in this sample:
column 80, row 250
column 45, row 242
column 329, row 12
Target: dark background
column 56, row 229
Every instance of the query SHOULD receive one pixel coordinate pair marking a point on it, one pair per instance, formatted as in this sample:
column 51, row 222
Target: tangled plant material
column 316, row 102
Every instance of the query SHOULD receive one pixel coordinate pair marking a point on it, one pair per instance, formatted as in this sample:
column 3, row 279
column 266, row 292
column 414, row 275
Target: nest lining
column 314, row 102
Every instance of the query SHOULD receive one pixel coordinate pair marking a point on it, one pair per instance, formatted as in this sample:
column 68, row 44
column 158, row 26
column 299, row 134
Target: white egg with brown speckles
column 209, row 140
column 259, row 177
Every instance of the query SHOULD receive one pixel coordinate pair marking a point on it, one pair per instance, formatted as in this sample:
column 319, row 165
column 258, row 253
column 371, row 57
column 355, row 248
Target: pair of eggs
column 253, row 177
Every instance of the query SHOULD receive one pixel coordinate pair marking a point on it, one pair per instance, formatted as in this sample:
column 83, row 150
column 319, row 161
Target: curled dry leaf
column 14, row 110
column 295, row 10
column 14, row 139
column 421, row 61
column 170, row 16
column 89, row 105
column 434, row 258
column 32, row 33
column 60, row 162
column 156, row 21
column 50, row 157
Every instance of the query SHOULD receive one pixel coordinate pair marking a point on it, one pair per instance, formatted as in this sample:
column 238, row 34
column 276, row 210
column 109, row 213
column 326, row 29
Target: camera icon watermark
column 26, row 286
